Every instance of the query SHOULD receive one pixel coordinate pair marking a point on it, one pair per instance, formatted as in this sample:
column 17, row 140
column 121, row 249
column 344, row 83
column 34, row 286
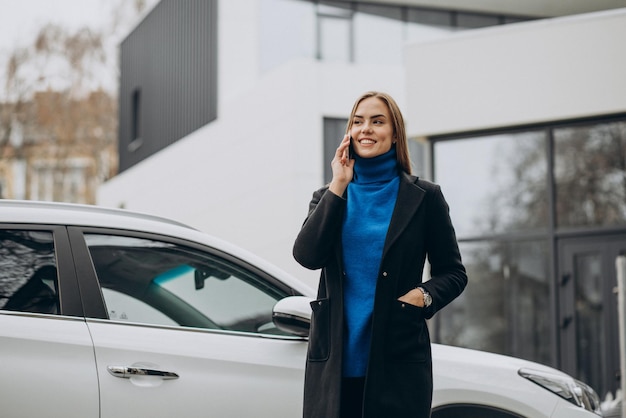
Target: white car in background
column 107, row 313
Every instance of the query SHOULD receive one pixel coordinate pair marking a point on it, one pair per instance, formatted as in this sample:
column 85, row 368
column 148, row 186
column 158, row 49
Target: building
column 229, row 112
column 529, row 143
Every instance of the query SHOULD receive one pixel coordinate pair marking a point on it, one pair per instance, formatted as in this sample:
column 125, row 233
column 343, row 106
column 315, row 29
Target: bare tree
column 58, row 109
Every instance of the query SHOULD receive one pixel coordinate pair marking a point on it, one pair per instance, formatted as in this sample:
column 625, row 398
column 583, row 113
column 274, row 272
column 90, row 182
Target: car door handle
column 128, row 372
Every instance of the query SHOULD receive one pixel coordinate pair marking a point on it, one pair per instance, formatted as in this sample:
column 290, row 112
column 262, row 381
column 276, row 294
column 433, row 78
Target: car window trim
column 93, row 301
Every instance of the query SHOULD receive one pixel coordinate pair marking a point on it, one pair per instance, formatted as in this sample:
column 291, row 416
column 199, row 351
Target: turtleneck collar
column 381, row 168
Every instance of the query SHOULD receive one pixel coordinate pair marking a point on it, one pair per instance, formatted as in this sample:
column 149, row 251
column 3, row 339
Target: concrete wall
column 518, row 74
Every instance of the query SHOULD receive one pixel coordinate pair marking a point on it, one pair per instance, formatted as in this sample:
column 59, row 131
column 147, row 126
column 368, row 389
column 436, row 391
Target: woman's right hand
column 343, row 168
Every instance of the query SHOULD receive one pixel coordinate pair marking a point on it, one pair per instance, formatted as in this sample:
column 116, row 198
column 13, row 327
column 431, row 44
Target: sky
column 20, row 20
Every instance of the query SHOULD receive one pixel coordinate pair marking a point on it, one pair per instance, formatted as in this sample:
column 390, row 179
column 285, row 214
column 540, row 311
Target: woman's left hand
column 413, row 297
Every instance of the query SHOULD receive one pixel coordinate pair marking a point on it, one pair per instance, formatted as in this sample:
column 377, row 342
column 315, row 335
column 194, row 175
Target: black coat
column 399, row 375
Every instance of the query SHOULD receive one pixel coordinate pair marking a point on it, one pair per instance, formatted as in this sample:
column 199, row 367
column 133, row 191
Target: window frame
column 91, row 294
column 554, row 233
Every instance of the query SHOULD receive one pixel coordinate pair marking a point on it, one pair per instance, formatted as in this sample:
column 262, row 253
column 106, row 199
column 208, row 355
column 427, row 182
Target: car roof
column 70, row 214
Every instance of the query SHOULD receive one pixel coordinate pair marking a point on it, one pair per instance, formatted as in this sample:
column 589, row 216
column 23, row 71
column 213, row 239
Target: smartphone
column 350, row 150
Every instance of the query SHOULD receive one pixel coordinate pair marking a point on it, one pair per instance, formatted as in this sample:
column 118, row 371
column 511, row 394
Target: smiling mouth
column 366, row 141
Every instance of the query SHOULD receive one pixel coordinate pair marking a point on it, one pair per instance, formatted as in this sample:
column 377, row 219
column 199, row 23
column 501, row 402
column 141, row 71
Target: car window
column 28, row 273
column 161, row 283
column 127, row 308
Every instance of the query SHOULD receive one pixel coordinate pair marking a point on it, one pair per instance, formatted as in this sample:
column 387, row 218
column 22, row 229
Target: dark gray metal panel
column 169, row 62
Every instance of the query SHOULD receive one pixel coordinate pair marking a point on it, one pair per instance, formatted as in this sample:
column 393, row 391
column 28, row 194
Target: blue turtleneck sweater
column 370, row 202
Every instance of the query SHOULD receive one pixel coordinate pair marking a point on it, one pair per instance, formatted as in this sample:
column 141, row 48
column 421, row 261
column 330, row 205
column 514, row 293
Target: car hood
column 460, row 359
column 466, row 376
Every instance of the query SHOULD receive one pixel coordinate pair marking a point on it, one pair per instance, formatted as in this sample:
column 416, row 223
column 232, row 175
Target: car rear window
column 28, row 272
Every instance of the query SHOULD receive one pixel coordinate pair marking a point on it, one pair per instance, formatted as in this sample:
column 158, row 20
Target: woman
column 370, row 231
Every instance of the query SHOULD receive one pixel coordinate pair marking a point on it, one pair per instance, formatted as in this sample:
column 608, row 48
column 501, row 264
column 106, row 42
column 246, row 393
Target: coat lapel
column 410, row 196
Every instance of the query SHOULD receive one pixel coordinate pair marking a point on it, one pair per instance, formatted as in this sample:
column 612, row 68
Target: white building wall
column 248, row 176
column 518, row 74
column 238, row 49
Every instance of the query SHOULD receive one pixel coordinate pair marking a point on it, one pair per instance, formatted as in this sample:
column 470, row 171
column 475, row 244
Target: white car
column 107, row 313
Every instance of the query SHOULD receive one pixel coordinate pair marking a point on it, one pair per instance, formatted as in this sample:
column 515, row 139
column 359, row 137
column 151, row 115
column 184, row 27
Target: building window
column 42, row 184
column 590, row 175
column 418, row 152
column 540, row 216
column 335, row 34
column 51, row 182
column 136, row 133
column 495, row 184
column 511, row 279
column 75, row 185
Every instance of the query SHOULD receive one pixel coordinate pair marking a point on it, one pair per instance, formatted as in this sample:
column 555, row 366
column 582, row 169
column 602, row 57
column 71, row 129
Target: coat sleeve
column 448, row 275
column 321, row 230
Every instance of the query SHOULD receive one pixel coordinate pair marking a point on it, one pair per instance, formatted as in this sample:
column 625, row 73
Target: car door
column 46, row 354
column 186, row 331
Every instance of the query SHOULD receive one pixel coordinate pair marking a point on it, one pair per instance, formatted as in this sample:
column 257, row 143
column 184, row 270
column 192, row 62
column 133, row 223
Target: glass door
column 588, row 310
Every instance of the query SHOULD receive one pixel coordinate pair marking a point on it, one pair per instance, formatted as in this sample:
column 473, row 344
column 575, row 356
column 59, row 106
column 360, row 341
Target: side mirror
column 293, row 315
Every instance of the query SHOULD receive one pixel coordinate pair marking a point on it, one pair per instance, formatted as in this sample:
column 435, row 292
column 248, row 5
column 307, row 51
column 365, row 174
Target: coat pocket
column 319, row 334
column 408, row 337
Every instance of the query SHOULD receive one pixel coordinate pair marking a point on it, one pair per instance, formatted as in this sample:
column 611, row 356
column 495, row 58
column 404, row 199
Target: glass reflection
column 335, row 34
column 590, row 174
column 506, row 309
column 28, row 273
column 590, row 339
column 495, row 183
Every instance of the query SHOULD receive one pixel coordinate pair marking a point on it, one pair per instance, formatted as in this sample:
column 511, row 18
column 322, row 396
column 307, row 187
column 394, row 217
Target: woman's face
column 372, row 128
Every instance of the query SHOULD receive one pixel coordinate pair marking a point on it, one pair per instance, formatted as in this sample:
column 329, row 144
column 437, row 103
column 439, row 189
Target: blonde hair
column 399, row 131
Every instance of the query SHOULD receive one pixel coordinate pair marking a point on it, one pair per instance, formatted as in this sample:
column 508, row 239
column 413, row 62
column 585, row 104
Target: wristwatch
column 428, row 300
